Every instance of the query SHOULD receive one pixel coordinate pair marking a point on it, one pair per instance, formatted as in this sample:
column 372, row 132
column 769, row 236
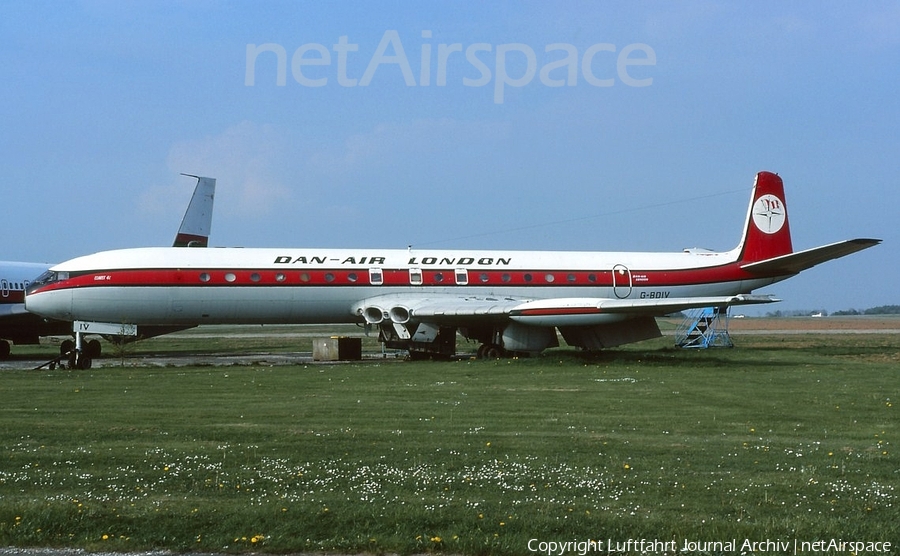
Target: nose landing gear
column 72, row 356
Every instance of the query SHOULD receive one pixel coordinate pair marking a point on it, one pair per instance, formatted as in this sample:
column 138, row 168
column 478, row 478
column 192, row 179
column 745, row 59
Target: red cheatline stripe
column 396, row 277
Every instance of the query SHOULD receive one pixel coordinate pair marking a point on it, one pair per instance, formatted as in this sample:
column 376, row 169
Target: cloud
column 246, row 159
column 388, row 145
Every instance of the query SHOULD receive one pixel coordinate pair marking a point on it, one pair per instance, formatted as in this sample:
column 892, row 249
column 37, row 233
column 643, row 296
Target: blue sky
column 104, row 103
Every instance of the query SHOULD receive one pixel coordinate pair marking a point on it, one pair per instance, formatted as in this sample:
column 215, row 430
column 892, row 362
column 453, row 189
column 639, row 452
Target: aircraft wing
column 10, row 309
column 588, row 311
column 794, row 263
column 451, row 309
column 438, row 308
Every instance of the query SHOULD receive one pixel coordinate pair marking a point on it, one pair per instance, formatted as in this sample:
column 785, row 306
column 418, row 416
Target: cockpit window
column 47, row 278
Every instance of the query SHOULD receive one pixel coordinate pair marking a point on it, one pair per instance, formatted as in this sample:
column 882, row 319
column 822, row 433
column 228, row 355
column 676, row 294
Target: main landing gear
column 491, row 351
column 440, row 342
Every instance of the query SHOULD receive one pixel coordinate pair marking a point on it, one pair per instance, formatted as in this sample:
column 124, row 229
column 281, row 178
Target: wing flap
column 10, row 309
column 594, row 311
column 679, row 304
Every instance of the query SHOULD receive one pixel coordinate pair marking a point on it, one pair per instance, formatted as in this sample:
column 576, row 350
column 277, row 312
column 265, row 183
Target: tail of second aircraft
column 767, row 233
column 197, row 221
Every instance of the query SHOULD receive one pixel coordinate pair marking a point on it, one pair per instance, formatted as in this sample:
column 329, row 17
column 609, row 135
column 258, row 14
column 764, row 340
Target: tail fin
column 766, row 246
column 767, row 233
column 197, row 221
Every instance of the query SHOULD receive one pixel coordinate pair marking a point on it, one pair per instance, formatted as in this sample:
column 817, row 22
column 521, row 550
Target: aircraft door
column 621, row 279
column 4, row 288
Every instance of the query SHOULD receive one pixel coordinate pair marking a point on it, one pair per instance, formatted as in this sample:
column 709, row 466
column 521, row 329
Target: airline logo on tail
column 767, row 233
column 769, row 214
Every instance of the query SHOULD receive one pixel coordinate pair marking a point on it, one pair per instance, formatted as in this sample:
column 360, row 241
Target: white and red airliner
column 19, row 326
column 509, row 301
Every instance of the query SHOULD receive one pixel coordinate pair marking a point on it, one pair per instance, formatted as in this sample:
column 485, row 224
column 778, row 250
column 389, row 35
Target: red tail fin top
column 767, row 233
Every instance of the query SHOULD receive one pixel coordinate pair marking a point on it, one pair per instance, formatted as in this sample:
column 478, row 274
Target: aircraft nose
column 52, row 304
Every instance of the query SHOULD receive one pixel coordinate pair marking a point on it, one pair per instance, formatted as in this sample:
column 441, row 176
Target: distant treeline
column 881, row 310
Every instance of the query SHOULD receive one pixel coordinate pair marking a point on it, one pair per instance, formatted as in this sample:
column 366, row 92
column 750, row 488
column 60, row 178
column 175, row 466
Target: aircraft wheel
column 84, row 361
column 66, row 346
column 93, row 348
column 4, row 349
column 493, row 351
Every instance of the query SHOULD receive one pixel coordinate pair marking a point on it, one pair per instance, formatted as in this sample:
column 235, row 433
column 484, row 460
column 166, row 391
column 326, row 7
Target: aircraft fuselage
column 283, row 286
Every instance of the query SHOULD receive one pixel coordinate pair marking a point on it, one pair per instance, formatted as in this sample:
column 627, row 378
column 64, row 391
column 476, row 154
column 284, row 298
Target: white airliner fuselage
column 167, row 286
column 510, row 301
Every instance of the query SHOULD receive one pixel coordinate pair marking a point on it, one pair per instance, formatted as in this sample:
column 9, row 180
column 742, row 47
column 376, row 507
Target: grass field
column 791, row 438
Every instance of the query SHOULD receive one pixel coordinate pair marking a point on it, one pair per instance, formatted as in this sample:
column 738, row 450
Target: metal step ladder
column 704, row 328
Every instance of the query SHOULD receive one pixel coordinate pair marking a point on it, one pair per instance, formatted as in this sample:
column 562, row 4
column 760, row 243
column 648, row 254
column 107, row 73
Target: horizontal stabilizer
column 794, row 263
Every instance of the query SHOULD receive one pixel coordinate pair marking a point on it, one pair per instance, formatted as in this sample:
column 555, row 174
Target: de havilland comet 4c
column 509, row 301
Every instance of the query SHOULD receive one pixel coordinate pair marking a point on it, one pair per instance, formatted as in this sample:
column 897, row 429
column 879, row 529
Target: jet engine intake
column 374, row 314
column 399, row 314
